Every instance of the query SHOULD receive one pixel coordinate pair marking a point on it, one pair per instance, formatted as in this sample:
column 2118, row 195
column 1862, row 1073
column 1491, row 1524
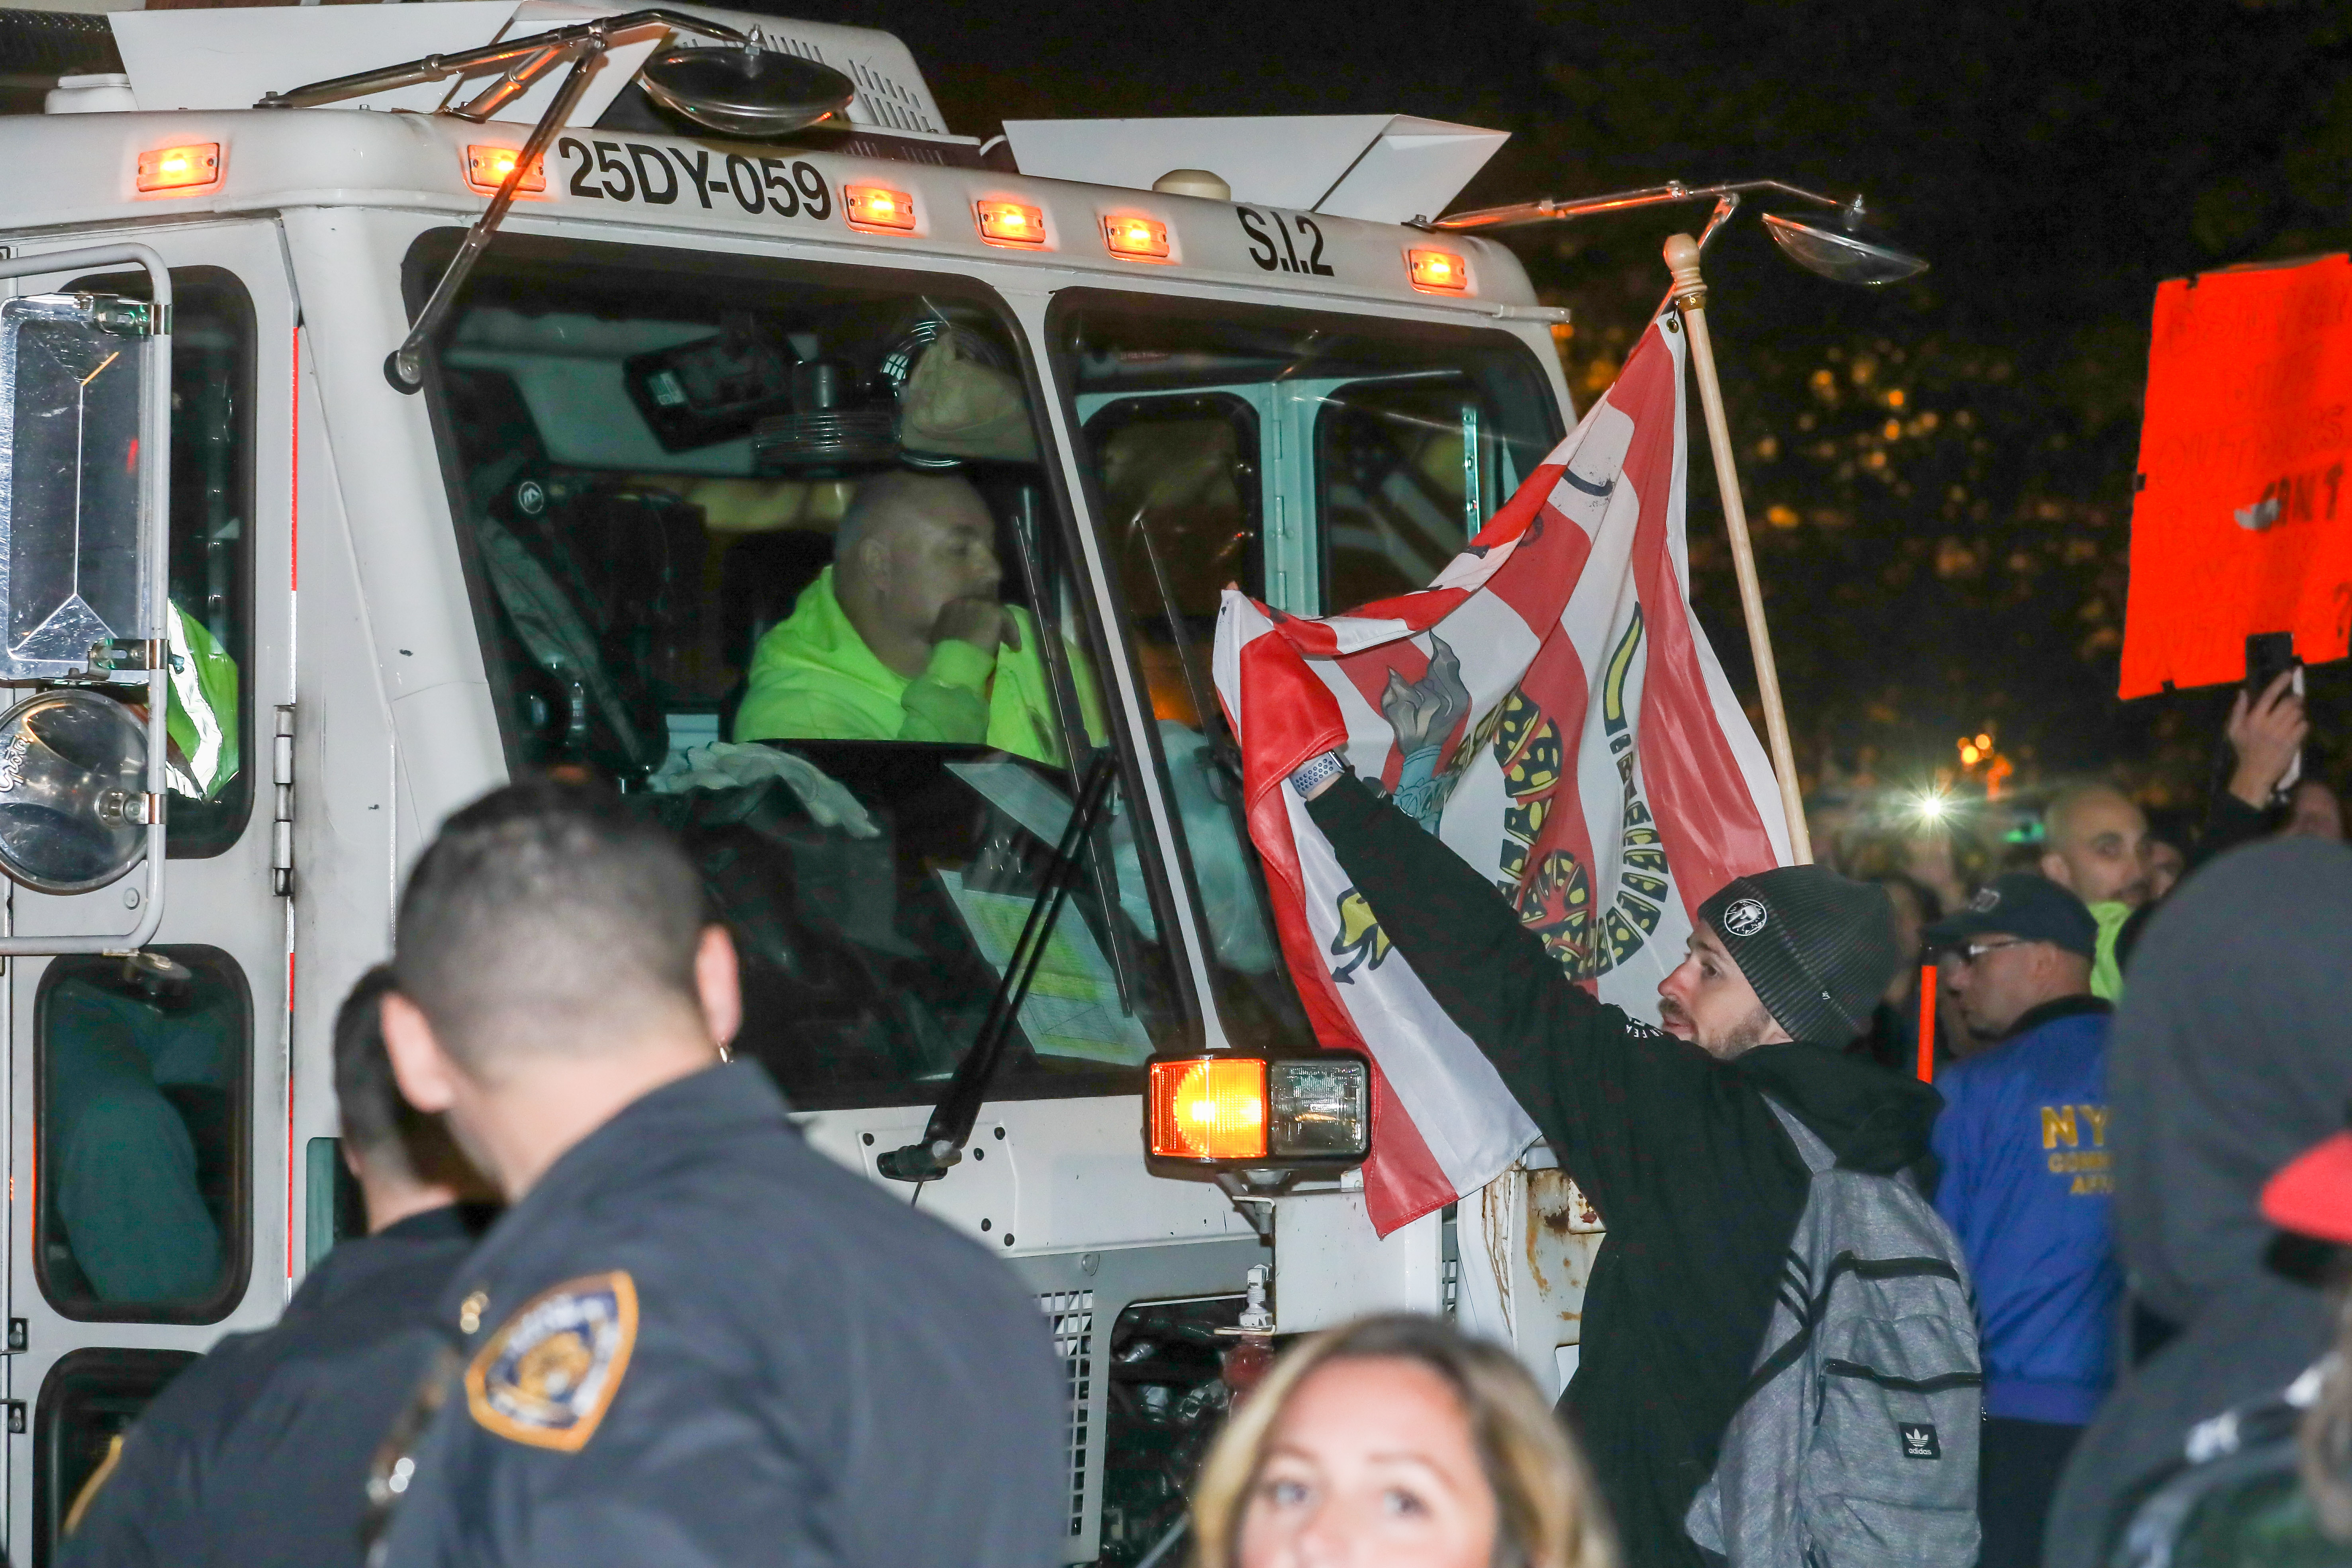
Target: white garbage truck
column 397, row 399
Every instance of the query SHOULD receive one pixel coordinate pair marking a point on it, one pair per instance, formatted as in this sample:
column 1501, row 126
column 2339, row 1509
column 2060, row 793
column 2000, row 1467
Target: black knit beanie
column 1818, row 947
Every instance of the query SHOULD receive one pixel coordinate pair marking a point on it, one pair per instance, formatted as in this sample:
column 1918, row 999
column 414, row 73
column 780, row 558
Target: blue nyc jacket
column 2027, row 1186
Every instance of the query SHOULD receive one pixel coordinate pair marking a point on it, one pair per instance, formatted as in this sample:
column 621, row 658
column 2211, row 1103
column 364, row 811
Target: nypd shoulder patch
column 547, row 1376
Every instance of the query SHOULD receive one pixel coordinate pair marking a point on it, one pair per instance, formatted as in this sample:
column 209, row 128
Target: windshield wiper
column 958, row 1108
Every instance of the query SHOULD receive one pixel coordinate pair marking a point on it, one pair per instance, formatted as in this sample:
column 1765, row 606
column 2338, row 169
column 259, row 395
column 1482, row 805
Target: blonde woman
column 1396, row 1440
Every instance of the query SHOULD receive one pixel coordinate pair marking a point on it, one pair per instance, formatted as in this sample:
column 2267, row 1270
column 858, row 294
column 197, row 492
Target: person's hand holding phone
column 2267, row 731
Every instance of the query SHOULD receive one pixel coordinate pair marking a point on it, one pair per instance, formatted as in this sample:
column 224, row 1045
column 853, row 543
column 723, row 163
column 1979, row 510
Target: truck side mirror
column 79, row 548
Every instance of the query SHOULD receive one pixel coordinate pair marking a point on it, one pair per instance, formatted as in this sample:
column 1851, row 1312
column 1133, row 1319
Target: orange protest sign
column 2243, row 520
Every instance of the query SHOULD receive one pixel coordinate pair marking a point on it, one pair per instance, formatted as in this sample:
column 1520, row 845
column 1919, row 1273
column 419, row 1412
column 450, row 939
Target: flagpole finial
column 1682, row 264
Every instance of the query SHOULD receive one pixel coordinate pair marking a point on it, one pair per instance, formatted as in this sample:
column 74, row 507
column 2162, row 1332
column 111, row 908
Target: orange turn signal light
column 486, row 169
column 1437, row 270
column 1009, row 223
column 878, row 206
column 1211, row 1107
column 1137, row 238
column 180, row 168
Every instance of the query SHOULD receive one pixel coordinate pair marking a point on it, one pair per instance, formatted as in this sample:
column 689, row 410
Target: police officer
column 692, row 1339
column 259, row 1453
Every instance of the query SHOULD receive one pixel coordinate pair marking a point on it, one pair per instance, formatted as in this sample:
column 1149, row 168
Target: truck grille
column 1071, row 1314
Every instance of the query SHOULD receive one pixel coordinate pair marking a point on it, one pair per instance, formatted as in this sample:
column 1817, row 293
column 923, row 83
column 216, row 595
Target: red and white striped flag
column 1551, row 708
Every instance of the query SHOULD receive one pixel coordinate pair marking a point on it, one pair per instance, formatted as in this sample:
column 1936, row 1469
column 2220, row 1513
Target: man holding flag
column 1558, row 791
column 1668, row 1132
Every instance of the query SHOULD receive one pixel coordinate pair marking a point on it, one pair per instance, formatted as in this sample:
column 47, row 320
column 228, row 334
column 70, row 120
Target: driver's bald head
column 891, row 500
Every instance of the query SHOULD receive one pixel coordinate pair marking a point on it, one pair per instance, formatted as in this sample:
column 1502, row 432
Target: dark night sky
column 1949, row 462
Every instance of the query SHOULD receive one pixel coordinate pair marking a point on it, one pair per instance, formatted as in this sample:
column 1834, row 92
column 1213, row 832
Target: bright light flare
column 1932, row 806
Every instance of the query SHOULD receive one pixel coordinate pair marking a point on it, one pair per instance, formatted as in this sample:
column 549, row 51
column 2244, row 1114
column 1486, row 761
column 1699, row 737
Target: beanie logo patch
column 1745, row 916
column 1986, row 902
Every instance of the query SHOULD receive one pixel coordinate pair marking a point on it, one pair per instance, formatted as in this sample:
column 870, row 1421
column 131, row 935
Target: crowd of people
column 2076, row 1303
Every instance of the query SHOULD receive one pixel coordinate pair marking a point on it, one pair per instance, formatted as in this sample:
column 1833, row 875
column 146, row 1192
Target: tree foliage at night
column 1941, row 471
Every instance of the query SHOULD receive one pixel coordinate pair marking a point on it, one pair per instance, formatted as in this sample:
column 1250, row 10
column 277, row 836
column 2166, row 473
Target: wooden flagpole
column 1690, row 302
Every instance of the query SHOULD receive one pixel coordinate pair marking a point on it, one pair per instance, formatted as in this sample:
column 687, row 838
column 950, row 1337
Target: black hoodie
column 1697, row 1182
column 2231, row 1054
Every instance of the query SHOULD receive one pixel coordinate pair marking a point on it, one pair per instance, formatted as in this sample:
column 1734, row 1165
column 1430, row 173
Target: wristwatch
column 1313, row 773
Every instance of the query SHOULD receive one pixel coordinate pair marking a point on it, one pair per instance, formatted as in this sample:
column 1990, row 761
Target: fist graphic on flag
column 1549, row 709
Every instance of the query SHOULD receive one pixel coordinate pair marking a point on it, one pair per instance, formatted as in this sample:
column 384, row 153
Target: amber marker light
column 878, row 206
column 1009, row 223
column 1437, row 270
column 1136, row 238
column 486, row 169
column 180, row 168
column 1211, row 1107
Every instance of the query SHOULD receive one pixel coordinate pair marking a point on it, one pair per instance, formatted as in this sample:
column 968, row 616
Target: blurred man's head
column 1796, row 953
column 2096, row 846
column 551, row 964
column 911, row 546
column 1915, row 908
column 2021, row 941
column 406, row 1162
column 2312, row 812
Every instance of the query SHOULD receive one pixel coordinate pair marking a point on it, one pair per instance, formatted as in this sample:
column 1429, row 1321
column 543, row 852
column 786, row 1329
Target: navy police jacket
column 2027, row 1186
column 697, row 1341
column 259, row 1452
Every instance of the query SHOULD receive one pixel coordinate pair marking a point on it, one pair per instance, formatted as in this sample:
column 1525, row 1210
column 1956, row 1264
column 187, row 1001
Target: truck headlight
column 1320, row 1109
column 1253, row 1111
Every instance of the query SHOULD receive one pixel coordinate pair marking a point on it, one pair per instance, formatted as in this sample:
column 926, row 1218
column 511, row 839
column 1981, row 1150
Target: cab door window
column 1407, row 469
column 1182, row 504
column 143, row 1080
column 210, row 721
column 87, row 1407
column 1318, row 461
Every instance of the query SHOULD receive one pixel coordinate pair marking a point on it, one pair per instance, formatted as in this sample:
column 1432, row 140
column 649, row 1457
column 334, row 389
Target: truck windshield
column 772, row 549
column 1318, row 461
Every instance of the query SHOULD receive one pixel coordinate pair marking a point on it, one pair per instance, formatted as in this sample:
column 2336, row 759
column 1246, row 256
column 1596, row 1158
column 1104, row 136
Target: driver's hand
column 983, row 623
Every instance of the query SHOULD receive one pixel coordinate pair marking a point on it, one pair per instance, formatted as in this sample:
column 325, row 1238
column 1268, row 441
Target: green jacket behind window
column 813, row 678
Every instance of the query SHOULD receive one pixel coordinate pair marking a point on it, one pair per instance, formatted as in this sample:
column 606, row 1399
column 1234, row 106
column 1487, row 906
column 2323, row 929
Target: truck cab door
column 145, row 1134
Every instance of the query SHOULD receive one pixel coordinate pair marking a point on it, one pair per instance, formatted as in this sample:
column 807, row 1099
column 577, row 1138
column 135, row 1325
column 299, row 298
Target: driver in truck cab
column 903, row 638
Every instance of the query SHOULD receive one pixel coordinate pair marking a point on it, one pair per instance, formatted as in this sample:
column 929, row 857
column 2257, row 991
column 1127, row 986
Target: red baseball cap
column 2312, row 1195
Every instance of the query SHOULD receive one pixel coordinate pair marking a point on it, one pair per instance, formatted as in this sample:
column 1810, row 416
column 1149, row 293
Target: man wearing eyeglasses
column 2027, row 1183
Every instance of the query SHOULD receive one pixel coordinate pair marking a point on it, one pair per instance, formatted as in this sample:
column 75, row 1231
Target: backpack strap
column 1817, row 1155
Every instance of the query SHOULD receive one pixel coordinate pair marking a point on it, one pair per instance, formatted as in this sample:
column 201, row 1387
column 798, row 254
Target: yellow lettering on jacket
column 2096, row 1115
column 2058, row 1122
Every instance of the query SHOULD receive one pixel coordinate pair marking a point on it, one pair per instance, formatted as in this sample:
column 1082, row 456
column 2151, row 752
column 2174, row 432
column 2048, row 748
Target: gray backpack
column 1856, row 1441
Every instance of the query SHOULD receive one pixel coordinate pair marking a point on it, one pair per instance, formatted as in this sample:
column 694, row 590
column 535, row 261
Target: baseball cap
column 2023, row 905
column 2312, row 1195
column 1818, row 948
